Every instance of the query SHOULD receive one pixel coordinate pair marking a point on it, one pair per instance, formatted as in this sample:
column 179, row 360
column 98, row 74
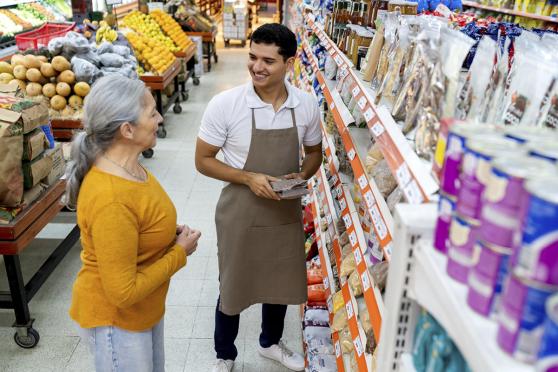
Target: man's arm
column 208, row 165
column 310, row 164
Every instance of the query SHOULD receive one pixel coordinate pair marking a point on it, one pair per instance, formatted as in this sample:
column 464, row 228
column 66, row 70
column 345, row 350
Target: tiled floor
column 193, row 292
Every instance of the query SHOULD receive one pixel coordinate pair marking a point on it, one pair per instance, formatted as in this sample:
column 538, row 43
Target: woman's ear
column 127, row 131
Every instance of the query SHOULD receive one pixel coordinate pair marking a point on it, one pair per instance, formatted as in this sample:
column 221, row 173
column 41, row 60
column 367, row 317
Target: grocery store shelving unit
column 517, row 13
column 417, row 278
column 7, row 3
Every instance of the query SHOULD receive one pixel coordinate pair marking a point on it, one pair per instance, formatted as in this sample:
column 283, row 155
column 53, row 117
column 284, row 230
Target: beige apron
column 261, row 241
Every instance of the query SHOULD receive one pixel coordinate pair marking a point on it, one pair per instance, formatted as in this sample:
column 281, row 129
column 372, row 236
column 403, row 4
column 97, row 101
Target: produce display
column 153, row 56
column 191, row 18
column 16, row 19
column 28, row 15
column 7, row 25
column 171, row 28
column 146, row 25
column 60, row 6
column 105, row 33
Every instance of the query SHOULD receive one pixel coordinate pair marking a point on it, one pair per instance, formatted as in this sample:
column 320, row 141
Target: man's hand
column 295, row 176
column 259, row 184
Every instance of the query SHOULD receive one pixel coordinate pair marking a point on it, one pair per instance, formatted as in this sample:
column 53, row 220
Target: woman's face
column 145, row 130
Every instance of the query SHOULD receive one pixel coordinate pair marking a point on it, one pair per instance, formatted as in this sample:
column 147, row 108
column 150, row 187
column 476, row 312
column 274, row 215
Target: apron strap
column 293, row 117
column 253, row 120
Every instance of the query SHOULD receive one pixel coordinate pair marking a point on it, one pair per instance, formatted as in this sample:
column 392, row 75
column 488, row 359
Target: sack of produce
column 91, row 57
column 122, row 51
column 11, row 152
column 56, row 45
column 112, row 60
column 35, row 171
column 75, row 43
column 105, row 47
column 85, row 71
column 34, row 144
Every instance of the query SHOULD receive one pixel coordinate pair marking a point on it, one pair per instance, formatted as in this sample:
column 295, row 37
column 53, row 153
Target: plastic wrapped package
column 379, row 273
column 341, row 228
column 112, row 60
column 355, row 283
column 122, row 51
column 316, row 293
column 312, row 333
column 343, row 238
column 321, row 363
column 91, row 57
column 75, row 43
column 384, row 179
column 348, row 265
column 390, row 36
column 346, row 91
column 314, row 276
column 493, row 97
column 373, row 157
column 346, row 250
column 323, row 346
column 105, row 47
column 339, row 320
column 56, row 45
column 317, row 316
column 338, row 301
column 394, row 198
column 330, row 69
column 346, row 341
column 84, row 70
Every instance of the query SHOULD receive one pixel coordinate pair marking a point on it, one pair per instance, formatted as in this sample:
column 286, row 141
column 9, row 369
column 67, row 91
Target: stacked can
column 480, row 150
column 535, row 277
column 501, row 219
column 548, row 353
column 450, row 180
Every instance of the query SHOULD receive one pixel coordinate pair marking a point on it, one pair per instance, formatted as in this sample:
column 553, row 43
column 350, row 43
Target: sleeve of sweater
column 115, row 239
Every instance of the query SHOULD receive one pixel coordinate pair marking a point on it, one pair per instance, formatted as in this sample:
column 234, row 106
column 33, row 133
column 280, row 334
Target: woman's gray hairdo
column 113, row 101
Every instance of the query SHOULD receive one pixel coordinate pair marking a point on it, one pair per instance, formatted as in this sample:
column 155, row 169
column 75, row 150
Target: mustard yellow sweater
column 128, row 232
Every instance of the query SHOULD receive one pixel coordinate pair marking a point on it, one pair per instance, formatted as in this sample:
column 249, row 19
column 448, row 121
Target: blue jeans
column 118, row 350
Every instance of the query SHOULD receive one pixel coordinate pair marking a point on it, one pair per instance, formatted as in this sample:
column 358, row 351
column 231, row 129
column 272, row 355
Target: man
column 260, row 127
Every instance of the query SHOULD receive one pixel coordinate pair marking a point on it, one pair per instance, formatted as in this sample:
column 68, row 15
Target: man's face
column 267, row 67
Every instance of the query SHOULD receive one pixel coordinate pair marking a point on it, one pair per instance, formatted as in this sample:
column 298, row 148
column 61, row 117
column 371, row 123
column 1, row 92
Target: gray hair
column 113, row 101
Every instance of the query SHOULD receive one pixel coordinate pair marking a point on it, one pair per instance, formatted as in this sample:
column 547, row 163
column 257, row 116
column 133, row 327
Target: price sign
column 358, row 256
column 381, row 229
column 375, row 212
column 412, row 193
column 349, row 308
column 339, row 191
column 377, row 130
column 362, row 181
column 388, row 247
column 337, row 349
column 343, row 204
column 330, row 305
column 403, row 175
column 326, row 283
column 348, row 221
column 351, row 154
column 334, row 178
column 329, row 219
column 358, row 346
column 353, row 239
column 369, row 114
column 365, row 281
column 369, row 198
column 332, row 105
column 362, row 102
column 356, row 91
column 322, row 86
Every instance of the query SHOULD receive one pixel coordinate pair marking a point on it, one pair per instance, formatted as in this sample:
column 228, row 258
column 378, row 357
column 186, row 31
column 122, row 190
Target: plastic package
column 338, row 301
column 316, row 293
column 122, row 50
column 355, row 283
column 346, row 250
column 390, row 31
column 322, row 346
column 379, row 273
column 346, row 341
column 394, row 198
column 339, row 320
column 314, row 276
column 348, row 265
column 316, row 315
column 322, row 363
column 312, row 333
column 84, row 70
column 330, row 68
column 343, row 239
column 91, row 57
column 56, row 45
column 384, row 179
column 105, row 47
column 112, row 60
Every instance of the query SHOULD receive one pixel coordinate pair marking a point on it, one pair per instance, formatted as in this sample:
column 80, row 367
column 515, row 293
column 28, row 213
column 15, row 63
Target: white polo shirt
column 227, row 121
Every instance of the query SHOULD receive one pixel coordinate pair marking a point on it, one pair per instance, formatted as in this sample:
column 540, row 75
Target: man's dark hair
column 275, row 33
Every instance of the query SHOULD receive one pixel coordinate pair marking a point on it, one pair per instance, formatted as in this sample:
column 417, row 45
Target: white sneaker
column 222, row 365
column 283, row 355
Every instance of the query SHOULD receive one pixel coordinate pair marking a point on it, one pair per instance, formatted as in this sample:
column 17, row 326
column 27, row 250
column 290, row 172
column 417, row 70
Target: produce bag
column 112, row 60
column 35, row 171
column 34, row 144
column 11, row 153
column 348, row 265
column 84, row 70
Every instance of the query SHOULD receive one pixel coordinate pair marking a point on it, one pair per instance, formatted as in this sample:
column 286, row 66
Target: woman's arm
column 115, row 236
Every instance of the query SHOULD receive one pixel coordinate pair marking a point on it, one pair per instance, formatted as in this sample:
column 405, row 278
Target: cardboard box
column 34, row 144
column 58, row 165
column 35, row 171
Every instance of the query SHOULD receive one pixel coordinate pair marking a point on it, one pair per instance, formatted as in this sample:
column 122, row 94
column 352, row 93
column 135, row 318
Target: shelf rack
column 517, row 13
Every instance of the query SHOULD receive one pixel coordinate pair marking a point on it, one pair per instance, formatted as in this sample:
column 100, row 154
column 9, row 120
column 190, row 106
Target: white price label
column 334, row 178
column 342, row 204
column 332, row 106
column 362, row 181
column 353, row 239
column 362, row 102
column 351, row 154
column 381, row 229
column 337, row 349
column 319, row 244
column 365, row 281
column 388, row 248
column 358, row 256
column 356, row 91
column 322, row 86
column 330, row 305
column 412, row 193
column 403, row 175
column 375, row 212
column 350, row 311
column 348, row 221
column 369, row 198
column 377, row 130
column 338, row 60
column 322, row 195
column 369, row 114
column 329, row 219
column 358, row 346
column 326, row 283
column 339, row 190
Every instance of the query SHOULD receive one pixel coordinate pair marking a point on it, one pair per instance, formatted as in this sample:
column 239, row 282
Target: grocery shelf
column 6, row 3
column 413, row 177
column 445, row 299
column 517, row 13
column 406, row 364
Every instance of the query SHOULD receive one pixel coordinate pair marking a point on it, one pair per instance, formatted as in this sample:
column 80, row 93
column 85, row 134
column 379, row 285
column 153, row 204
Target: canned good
column 446, row 208
column 523, row 134
column 548, row 353
column 506, row 183
column 544, row 149
column 463, row 235
column 538, row 255
column 469, row 202
column 498, row 225
column 521, row 316
column 487, row 277
column 455, row 149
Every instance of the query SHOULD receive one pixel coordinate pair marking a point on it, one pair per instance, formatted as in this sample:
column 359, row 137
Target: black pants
column 226, row 329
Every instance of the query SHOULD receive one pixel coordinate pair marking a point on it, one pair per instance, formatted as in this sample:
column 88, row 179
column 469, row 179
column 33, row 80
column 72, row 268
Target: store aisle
column 189, row 320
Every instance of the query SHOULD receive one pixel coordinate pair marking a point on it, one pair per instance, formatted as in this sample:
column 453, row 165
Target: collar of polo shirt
column 254, row 101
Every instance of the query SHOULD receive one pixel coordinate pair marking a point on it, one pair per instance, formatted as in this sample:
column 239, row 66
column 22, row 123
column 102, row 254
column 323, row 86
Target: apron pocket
column 268, row 243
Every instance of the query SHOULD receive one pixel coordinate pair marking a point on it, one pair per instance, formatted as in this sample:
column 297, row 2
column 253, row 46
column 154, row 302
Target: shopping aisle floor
column 189, row 320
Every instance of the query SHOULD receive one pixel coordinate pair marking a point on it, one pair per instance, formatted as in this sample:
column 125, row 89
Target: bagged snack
column 370, row 64
column 355, row 283
column 316, row 316
column 339, row 320
column 322, row 363
column 384, row 179
column 322, row 346
column 338, row 301
column 348, row 265
column 492, row 100
column 346, row 341
column 346, row 250
column 343, row 238
column 330, row 69
column 390, row 37
column 395, row 198
column 314, row 276
column 379, row 273
column 312, row 333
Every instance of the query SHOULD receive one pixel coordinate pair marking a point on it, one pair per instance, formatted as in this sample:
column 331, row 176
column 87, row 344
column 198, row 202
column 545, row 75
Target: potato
column 30, row 61
column 47, row 70
column 58, row 102
column 63, row 89
column 49, row 90
column 18, row 59
column 20, row 72
column 34, row 75
column 43, row 59
column 34, row 89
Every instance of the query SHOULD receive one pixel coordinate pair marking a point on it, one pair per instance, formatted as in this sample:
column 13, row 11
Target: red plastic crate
column 41, row 36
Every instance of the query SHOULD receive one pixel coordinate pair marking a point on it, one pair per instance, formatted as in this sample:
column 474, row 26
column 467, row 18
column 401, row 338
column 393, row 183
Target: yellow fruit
column 34, row 89
column 58, row 102
column 20, row 72
column 18, row 59
column 34, row 75
column 30, row 61
column 6, row 67
column 47, row 70
column 5, row 77
column 43, row 59
column 67, row 77
column 82, row 89
column 75, row 101
column 63, row 89
column 60, row 64
column 49, row 90
column 22, row 84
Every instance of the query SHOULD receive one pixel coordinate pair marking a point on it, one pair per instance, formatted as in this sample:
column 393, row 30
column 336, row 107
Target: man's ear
column 127, row 130
column 290, row 62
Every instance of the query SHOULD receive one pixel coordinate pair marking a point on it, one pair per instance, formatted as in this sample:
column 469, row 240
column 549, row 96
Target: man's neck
column 276, row 95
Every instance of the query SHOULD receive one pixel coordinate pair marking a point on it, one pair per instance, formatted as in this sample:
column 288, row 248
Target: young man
column 260, row 127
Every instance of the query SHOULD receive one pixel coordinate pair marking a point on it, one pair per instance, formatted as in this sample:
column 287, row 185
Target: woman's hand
column 187, row 238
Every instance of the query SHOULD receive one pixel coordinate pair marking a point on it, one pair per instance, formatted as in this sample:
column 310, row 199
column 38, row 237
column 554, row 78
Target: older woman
column 131, row 243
